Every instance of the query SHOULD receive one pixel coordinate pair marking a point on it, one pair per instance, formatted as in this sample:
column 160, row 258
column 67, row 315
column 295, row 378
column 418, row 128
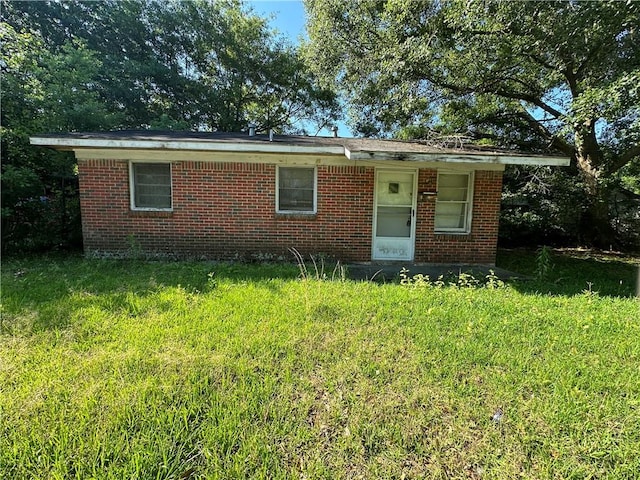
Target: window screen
column 151, row 186
column 453, row 202
column 296, row 189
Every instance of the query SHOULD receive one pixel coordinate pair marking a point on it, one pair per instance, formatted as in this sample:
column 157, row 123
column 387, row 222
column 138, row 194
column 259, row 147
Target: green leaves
column 201, row 64
column 387, row 53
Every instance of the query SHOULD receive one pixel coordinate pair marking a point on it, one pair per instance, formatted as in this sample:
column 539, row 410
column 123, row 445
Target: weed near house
column 114, row 369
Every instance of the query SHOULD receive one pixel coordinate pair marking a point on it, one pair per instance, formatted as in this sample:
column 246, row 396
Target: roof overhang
column 450, row 157
column 352, row 149
column 63, row 143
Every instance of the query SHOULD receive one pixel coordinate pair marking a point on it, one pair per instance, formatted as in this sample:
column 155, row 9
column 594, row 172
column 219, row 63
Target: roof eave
column 65, row 143
column 61, row 143
column 459, row 158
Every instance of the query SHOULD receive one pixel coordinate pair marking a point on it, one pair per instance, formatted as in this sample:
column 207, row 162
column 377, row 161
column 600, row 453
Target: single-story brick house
column 228, row 196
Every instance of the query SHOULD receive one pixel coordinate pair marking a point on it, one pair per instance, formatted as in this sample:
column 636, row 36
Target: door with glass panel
column 394, row 215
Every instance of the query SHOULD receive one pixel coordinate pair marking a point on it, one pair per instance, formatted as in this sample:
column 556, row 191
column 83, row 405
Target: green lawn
column 141, row 370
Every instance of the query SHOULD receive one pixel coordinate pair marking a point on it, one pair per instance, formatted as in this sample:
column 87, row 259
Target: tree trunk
column 596, row 226
column 596, row 223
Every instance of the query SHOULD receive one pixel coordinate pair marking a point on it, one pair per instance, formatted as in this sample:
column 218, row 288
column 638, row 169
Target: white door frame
column 406, row 245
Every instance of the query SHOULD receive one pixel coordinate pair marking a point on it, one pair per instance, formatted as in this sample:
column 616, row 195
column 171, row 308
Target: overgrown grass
column 161, row 370
column 573, row 271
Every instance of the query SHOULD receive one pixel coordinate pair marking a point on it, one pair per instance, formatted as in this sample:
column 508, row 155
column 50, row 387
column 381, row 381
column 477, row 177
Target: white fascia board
column 268, row 147
column 77, row 143
column 458, row 158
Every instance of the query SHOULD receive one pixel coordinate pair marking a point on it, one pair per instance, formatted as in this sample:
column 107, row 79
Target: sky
column 288, row 17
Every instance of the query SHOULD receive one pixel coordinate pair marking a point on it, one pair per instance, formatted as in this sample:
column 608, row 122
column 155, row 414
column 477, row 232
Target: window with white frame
column 150, row 186
column 296, row 192
column 453, row 203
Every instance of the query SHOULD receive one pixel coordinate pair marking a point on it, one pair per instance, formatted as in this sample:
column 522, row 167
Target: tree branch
column 592, row 53
column 531, row 99
column 572, row 81
column 502, row 93
column 540, row 61
column 557, row 142
column 625, row 158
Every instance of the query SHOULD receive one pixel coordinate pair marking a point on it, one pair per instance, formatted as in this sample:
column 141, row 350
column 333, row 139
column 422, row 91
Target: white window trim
column 315, row 191
column 467, row 228
column 132, row 193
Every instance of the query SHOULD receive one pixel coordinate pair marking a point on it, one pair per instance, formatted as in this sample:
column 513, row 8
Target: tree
column 138, row 77
column 243, row 72
column 211, row 65
column 43, row 91
column 538, row 75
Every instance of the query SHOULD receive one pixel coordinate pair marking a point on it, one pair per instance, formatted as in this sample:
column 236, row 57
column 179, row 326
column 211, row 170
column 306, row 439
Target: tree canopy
column 197, row 64
column 560, row 76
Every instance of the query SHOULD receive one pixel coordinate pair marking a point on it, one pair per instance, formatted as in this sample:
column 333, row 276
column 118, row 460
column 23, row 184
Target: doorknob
column 413, row 212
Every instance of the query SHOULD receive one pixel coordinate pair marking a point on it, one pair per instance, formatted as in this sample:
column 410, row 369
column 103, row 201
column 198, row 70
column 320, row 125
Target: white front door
column 394, row 215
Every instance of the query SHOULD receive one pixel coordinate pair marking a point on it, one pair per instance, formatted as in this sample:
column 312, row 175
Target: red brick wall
column 227, row 210
column 478, row 246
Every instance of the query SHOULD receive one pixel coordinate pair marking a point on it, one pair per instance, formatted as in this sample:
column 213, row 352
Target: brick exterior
column 226, row 210
column 478, row 246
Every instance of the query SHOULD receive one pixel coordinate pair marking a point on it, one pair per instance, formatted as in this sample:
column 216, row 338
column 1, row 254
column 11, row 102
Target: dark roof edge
column 352, row 148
